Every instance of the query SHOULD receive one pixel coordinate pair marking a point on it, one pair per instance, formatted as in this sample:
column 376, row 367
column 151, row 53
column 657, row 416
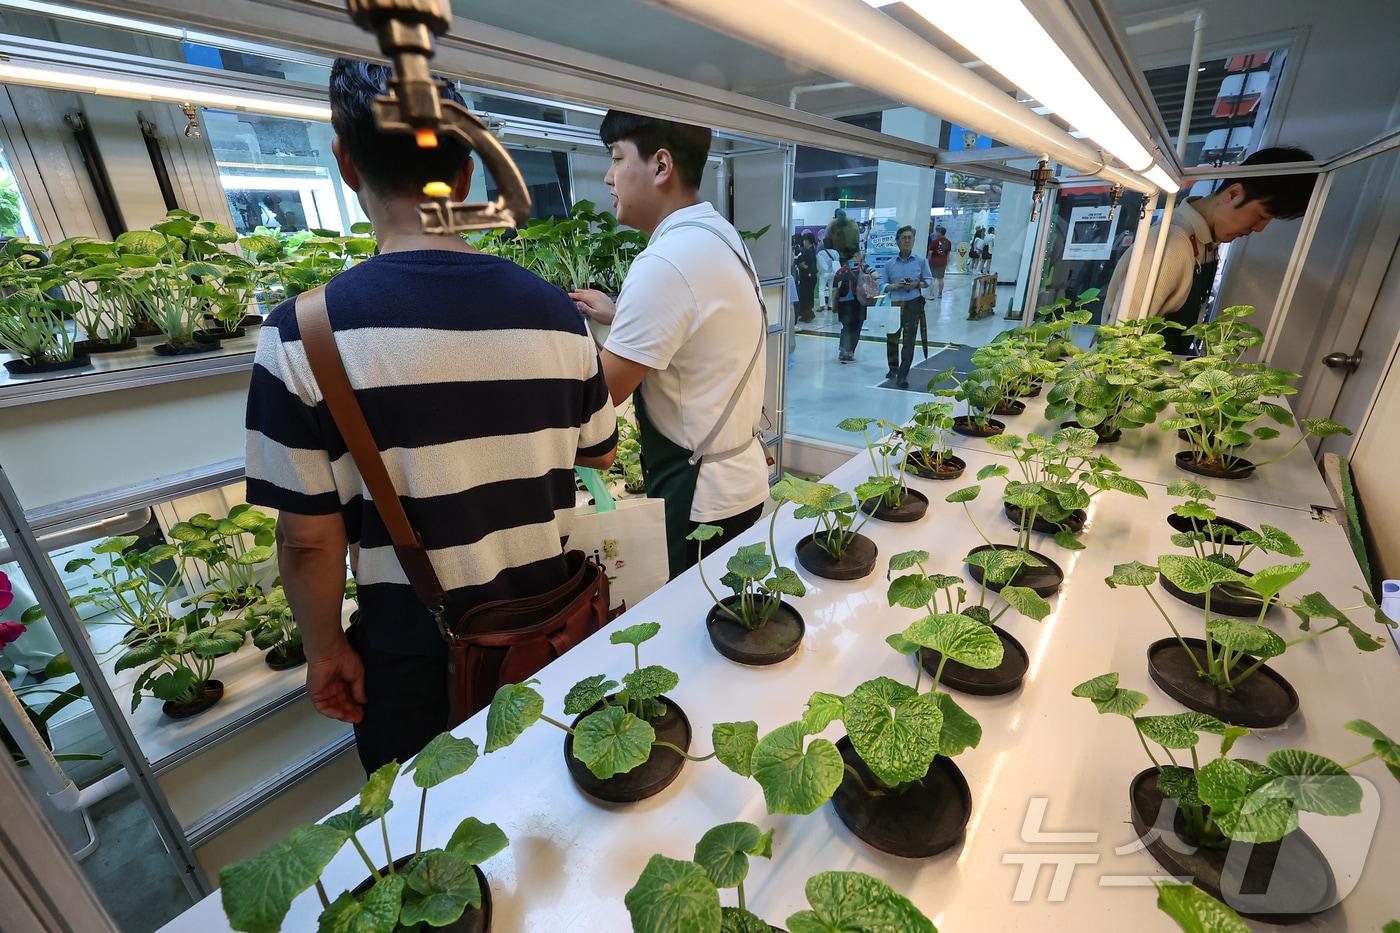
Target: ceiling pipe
column 883, row 56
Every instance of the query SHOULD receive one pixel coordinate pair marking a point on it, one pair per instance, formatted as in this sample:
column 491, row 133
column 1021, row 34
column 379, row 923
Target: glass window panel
column 15, row 219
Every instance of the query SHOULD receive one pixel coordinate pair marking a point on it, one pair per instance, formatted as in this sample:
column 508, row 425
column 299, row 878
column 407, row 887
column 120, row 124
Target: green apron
column 1189, row 314
column 671, row 477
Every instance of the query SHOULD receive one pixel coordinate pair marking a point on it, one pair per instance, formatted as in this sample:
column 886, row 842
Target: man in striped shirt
column 482, row 389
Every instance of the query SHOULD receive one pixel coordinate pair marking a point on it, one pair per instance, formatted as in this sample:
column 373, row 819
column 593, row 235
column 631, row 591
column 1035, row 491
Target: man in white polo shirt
column 689, row 329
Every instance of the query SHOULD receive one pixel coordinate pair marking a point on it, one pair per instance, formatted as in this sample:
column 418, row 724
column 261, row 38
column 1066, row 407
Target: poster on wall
column 1090, row 233
column 880, row 243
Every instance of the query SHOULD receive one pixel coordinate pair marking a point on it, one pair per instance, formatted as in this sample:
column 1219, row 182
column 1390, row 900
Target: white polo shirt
column 1177, row 272
column 688, row 312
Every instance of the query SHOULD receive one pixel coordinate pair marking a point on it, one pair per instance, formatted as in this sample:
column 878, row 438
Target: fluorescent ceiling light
column 850, row 174
column 1022, row 51
column 105, row 86
column 965, row 190
column 1158, row 176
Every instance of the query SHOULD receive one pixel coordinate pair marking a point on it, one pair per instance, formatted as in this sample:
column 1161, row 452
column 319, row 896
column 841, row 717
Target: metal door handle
column 1339, row 360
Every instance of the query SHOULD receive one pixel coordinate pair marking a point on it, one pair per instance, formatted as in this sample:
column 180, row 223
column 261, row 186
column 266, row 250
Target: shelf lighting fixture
column 1158, row 176
column 1022, row 51
column 105, row 86
column 965, row 190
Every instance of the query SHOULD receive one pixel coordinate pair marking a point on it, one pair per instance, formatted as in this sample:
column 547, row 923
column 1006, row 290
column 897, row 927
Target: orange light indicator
column 427, row 138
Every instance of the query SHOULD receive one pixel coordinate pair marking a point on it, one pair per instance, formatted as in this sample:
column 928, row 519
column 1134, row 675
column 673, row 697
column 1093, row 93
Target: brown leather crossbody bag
column 499, row 642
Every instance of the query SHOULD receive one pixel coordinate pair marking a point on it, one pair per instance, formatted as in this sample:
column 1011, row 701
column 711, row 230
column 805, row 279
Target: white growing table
column 571, row 859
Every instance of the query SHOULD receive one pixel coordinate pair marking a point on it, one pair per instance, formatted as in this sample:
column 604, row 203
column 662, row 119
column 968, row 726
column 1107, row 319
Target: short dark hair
column 901, row 231
column 807, row 237
column 941, row 229
column 390, row 163
column 689, row 145
column 1284, row 196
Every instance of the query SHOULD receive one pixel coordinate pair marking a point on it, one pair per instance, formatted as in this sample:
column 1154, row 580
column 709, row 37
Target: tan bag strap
column 322, row 353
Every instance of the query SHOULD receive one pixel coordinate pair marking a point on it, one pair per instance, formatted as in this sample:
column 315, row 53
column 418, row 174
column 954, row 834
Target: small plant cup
column 234, row 550
column 928, row 453
column 836, row 549
column 1230, row 824
column 276, row 631
column 1224, row 674
column 1222, row 541
column 888, row 458
column 423, row 889
column 675, row 896
column 754, row 625
column 921, row 590
column 622, row 747
column 891, row 779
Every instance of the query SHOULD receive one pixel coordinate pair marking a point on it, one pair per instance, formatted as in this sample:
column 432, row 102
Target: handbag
column 494, row 643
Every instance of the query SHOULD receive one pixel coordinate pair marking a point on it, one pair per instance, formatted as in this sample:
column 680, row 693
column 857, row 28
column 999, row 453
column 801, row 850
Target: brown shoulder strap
column 323, row 355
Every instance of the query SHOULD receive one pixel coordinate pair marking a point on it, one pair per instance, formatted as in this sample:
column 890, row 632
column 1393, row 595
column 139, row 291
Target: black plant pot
column 218, row 332
column 145, row 329
column 210, row 692
column 26, row 368
column 100, row 345
column 1010, row 408
column 280, row 660
column 1074, row 521
column 1112, row 437
column 1240, row 468
column 1226, row 599
column 1222, row 529
column 967, row 426
column 857, row 562
column 1045, row 581
column 773, row 641
column 649, row 778
column 951, row 468
column 922, row 819
column 912, row 509
column 1033, row 391
column 1276, row 882
column 473, row 919
column 1004, row 678
column 1262, row 701
column 165, row 349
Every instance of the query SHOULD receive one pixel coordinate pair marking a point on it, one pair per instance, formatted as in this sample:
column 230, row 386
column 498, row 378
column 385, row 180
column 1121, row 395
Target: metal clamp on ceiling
column 405, row 30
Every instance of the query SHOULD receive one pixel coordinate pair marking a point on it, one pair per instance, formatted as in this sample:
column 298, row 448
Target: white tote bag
column 630, row 543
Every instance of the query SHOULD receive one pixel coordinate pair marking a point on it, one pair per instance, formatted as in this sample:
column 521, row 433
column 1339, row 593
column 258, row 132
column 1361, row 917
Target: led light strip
column 103, row 85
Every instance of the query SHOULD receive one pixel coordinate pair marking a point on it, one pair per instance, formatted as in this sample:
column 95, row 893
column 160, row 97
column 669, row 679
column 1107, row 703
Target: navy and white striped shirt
column 480, row 384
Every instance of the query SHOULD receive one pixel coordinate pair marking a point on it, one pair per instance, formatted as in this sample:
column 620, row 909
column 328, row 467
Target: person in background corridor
column 850, row 308
column 940, row 248
column 805, row 267
column 906, row 276
column 828, row 261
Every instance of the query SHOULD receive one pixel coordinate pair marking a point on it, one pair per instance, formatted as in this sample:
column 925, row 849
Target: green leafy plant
column 1232, row 642
column 613, row 739
column 9, row 208
column 178, row 654
column 32, row 324
column 1117, row 385
column 888, row 456
column 896, row 730
column 1218, row 543
column 1234, row 799
column 1060, row 476
column 674, row 896
column 1195, row 911
column 834, row 510
column 274, row 628
column 433, row 887
column 753, row 574
column 1227, row 336
column 1054, row 322
column 922, row 590
column 223, row 546
column 929, row 436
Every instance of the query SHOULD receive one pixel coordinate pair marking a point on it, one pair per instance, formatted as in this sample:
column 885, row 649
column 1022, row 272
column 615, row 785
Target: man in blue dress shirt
column 905, row 276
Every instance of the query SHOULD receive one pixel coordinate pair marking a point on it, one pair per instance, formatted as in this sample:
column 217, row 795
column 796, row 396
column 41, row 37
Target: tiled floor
column 821, row 391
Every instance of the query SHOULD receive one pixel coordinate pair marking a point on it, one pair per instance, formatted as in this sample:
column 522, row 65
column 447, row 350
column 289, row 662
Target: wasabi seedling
column 1214, row 542
column 674, row 896
column 834, row 510
column 888, row 455
column 611, row 740
column 434, row 887
column 929, row 436
column 759, row 594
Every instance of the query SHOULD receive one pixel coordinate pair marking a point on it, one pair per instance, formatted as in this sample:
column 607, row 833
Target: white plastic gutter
column 878, row 53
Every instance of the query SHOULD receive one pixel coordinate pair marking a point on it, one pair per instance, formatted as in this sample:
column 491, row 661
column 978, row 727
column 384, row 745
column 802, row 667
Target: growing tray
column 1004, row 678
column 209, row 694
column 775, row 640
column 912, row 509
column 1278, row 882
column 858, row 561
column 1010, row 409
column 1045, row 581
column 927, row 817
column 98, row 345
column 1262, row 701
column 1226, row 599
column 473, row 919
column 1221, row 528
column 23, row 368
column 647, row 779
column 285, row 662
